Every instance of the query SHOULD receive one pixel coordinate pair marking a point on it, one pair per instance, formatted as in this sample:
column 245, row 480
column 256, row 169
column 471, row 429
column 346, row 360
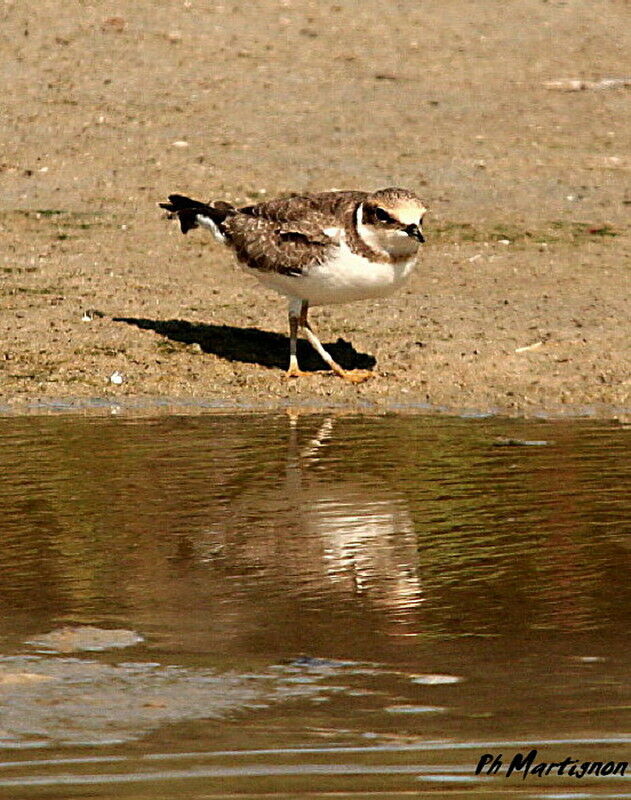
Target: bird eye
column 382, row 215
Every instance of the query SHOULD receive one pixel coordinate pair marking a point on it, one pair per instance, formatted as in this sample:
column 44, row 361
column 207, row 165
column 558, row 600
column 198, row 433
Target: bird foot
column 350, row 375
column 356, row 375
column 295, row 372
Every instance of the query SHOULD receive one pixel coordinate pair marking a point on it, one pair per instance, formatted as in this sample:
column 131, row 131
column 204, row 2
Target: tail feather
column 193, row 213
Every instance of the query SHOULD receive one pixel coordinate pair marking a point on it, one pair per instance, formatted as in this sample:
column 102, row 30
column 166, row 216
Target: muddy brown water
column 312, row 605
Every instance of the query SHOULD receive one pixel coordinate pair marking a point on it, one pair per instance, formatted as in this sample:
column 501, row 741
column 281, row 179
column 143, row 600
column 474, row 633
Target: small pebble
column 91, row 313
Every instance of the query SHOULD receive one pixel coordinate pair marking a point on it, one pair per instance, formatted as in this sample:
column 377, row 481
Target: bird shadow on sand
column 251, row 345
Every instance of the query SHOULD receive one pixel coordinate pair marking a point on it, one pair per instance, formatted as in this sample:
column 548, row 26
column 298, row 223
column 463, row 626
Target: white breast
column 342, row 279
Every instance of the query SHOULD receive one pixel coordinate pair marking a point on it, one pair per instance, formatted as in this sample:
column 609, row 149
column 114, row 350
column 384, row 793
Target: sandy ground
column 521, row 299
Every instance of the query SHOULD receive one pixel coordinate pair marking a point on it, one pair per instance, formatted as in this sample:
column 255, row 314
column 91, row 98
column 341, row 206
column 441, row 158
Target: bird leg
column 300, row 320
column 294, row 370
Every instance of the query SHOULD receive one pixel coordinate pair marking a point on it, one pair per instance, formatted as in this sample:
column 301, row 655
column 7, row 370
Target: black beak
column 415, row 232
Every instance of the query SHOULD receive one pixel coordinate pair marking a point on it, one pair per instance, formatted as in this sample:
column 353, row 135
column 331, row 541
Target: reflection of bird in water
column 322, row 533
column 367, row 534
column 368, row 546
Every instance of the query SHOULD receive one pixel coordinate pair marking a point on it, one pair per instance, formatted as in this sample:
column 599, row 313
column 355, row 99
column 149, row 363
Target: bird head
column 391, row 220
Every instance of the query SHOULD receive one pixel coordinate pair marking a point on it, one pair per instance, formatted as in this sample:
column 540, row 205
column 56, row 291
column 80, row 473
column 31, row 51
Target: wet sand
column 520, row 302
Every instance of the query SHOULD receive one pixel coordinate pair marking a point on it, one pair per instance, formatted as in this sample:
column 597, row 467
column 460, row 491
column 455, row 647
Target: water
column 295, row 605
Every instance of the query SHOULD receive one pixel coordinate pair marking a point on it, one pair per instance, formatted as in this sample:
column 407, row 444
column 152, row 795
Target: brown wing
column 326, row 205
column 287, row 236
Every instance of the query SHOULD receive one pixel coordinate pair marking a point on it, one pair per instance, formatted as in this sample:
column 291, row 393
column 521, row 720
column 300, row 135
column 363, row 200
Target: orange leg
column 300, row 321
